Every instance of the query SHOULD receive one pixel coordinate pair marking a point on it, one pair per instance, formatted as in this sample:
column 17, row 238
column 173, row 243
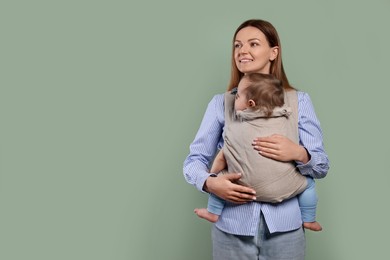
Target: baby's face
column 241, row 101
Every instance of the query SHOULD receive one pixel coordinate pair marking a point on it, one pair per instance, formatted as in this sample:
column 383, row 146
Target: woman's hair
column 266, row 90
column 273, row 40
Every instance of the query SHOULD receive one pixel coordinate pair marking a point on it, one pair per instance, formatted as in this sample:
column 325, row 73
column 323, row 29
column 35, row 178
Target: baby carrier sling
column 273, row 181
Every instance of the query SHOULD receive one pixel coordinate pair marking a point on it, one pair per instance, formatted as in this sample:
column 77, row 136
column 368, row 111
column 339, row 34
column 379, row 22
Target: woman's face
column 252, row 52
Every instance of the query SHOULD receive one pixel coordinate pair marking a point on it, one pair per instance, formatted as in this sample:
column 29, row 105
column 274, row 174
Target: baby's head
column 258, row 91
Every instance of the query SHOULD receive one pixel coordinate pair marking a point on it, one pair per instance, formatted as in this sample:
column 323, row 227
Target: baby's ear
column 251, row 103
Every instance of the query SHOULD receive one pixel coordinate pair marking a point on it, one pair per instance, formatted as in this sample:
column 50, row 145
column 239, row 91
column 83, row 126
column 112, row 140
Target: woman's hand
column 224, row 187
column 280, row 148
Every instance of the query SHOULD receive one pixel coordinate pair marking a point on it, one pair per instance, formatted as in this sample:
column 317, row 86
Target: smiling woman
column 248, row 229
column 252, row 51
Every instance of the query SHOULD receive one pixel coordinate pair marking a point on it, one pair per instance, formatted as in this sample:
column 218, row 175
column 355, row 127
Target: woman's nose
column 243, row 49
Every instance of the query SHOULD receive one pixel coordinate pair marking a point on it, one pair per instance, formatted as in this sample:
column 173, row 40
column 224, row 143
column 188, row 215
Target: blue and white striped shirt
column 244, row 219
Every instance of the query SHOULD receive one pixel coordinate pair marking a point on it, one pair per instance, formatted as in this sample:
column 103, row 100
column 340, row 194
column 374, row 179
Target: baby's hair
column 266, row 90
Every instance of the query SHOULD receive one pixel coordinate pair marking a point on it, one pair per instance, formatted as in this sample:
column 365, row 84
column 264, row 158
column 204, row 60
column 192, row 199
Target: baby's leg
column 214, row 209
column 308, row 205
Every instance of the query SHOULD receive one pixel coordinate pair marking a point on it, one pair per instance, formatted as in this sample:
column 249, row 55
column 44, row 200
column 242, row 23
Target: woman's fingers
column 245, row 191
column 224, row 186
column 268, row 139
column 269, row 146
column 269, row 142
column 267, row 149
column 242, row 194
column 235, row 192
column 238, row 197
column 281, row 148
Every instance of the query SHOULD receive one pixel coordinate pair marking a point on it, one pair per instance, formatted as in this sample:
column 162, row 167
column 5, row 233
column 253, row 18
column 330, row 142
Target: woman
column 248, row 229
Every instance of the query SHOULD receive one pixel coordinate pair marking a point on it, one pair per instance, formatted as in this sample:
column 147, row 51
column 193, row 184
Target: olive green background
column 99, row 101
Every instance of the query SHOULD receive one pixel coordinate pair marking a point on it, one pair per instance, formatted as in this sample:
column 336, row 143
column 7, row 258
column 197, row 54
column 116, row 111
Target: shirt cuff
column 201, row 181
column 307, row 168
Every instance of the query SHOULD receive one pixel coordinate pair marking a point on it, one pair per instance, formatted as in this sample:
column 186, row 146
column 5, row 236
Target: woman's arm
column 205, row 145
column 202, row 152
column 310, row 137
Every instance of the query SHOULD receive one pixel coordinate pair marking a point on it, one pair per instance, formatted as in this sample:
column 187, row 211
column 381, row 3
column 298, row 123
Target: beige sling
column 274, row 181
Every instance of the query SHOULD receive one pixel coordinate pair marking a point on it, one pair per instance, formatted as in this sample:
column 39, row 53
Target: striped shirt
column 244, row 219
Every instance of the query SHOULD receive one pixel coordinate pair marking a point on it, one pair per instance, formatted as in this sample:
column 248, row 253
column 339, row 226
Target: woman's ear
column 274, row 53
column 251, row 103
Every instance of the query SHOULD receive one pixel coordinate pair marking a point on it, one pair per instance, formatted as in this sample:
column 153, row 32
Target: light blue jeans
column 307, row 202
column 264, row 246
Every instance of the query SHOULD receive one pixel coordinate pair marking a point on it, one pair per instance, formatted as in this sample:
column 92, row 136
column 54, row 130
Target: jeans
column 264, row 246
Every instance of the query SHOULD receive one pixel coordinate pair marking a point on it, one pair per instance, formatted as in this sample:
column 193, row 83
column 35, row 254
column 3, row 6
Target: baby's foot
column 314, row 226
column 203, row 213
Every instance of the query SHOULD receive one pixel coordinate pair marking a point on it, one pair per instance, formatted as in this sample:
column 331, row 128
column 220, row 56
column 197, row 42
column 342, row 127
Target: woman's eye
column 237, row 45
column 254, row 44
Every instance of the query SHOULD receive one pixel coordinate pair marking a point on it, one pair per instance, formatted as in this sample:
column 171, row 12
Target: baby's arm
column 219, row 163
